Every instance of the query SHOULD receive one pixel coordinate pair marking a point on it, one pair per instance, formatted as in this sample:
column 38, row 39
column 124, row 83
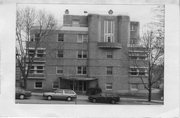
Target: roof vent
column 67, row 11
column 110, row 12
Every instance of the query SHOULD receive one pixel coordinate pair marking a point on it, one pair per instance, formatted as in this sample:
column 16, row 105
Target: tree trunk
column 149, row 95
column 25, row 83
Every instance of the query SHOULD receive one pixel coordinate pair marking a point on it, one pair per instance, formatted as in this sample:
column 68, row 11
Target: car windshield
column 69, row 92
column 58, row 91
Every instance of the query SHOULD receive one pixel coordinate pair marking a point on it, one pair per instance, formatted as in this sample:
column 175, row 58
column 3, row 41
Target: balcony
column 109, row 45
column 36, row 76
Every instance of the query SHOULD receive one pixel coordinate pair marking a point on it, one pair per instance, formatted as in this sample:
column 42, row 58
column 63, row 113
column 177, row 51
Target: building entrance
column 79, row 86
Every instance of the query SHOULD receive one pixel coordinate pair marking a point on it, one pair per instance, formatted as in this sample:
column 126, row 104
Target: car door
column 58, row 94
column 102, row 98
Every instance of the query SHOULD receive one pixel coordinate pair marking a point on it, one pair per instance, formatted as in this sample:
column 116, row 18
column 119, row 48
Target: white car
column 65, row 94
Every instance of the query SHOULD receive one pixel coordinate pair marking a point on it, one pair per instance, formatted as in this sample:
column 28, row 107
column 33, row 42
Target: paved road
column 82, row 100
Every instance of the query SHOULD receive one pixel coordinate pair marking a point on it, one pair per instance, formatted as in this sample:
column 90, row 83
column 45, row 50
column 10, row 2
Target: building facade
column 88, row 51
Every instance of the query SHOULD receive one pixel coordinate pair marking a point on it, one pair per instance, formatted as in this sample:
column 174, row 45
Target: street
column 81, row 99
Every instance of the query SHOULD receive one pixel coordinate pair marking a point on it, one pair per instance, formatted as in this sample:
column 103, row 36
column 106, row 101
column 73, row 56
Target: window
column 37, row 69
column 82, row 38
column 59, row 70
column 109, row 54
column 82, row 54
column 60, row 54
column 141, row 71
column 108, row 86
column 55, row 85
column 109, row 70
column 132, row 28
column 138, row 55
column 37, row 37
column 40, row 53
column 134, row 87
column 31, row 52
column 75, row 22
column 133, row 41
column 60, row 37
column 108, row 31
column 81, row 70
column 38, row 85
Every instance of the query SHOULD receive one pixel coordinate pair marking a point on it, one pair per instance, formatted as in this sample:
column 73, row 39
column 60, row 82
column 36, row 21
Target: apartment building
column 88, row 51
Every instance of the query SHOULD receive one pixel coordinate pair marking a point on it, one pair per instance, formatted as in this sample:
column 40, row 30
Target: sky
column 141, row 13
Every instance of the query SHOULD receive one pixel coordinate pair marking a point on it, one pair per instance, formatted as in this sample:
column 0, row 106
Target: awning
column 79, row 78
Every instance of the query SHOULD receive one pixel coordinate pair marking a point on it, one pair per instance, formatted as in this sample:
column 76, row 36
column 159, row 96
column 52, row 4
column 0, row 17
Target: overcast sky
column 141, row 13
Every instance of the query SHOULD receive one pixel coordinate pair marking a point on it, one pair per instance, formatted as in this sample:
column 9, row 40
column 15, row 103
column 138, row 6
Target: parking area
column 83, row 100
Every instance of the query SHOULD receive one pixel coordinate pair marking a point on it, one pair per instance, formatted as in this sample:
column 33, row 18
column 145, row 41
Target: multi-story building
column 87, row 51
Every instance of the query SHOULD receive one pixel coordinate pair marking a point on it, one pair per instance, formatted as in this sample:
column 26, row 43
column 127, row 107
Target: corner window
column 109, row 70
column 108, row 86
column 37, row 37
column 38, row 85
column 140, row 71
column 37, row 69
column 60, row 37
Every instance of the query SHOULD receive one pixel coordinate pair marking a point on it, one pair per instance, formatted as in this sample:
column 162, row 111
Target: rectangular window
column 109, row 70
column 37, row 69
column 60, row 37
column 110, row 54
column 138, row 71
column 59, row 70
column 38, row 85
column 60, row 54
column 108, row 31
column 55, row 85
column 75, row 22
column 37, row 37
column 108, row 86
column 82, row 54
column 40, row 53
column 81, row 70
column 82, row 38
column 132, row 28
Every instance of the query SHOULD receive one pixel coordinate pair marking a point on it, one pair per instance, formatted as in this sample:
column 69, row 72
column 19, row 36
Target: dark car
column 22, row 94
column 104, row 97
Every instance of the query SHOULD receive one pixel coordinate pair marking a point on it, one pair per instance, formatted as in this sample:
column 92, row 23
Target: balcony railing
column 36, row 76
column 112, row 45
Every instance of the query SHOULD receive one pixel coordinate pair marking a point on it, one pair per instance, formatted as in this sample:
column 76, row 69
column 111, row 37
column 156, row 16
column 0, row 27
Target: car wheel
column 21, row 97
column 94, row 100
column 113, row 101
column 49, row 97
column 69, row 98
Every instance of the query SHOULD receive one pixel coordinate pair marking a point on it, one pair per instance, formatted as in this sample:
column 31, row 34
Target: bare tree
column 28, row 19
column 152, row 42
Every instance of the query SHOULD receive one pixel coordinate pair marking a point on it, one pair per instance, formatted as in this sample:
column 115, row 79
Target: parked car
column 93, row 91
column 22, row 94
column 65, row 94
column 104, row 97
